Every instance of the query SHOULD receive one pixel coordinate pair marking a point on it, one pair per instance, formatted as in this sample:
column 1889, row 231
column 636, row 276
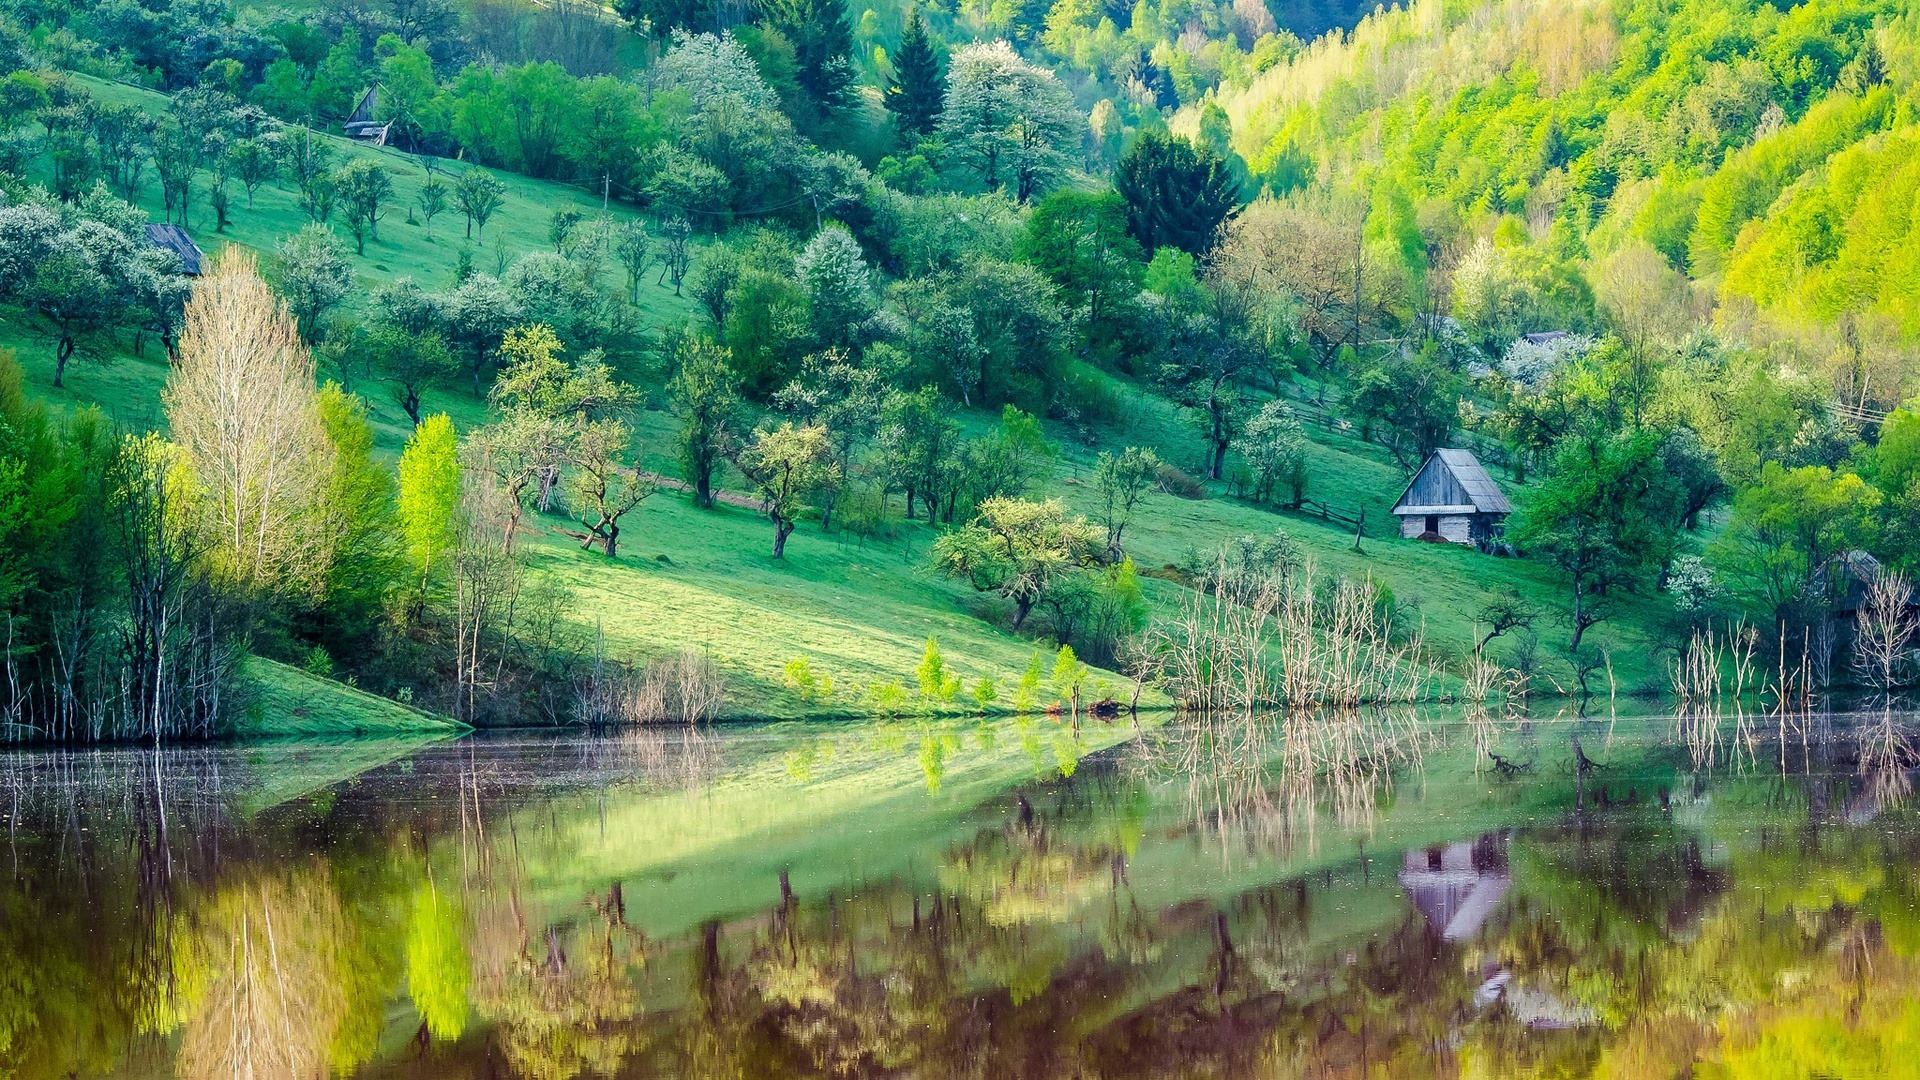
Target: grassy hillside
column 859, row 611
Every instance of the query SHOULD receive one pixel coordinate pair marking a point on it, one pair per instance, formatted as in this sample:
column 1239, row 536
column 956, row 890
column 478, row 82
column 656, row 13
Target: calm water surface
column 1363, row 895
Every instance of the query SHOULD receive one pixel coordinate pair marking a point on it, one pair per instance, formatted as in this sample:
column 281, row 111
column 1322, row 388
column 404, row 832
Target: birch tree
column 243, row 407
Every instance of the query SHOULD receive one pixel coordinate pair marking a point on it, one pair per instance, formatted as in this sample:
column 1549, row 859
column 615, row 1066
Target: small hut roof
column 1452, row 481
column 173, row 238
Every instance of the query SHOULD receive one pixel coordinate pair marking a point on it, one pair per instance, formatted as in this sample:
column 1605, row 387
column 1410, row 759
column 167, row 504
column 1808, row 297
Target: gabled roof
column 1452, row 481
column 173, row 238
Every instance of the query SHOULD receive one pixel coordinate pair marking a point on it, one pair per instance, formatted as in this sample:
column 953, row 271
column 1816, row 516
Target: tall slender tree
column 918, row 92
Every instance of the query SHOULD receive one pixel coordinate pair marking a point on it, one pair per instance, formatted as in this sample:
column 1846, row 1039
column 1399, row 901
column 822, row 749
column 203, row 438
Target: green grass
column 860, row 613
column 286, row 701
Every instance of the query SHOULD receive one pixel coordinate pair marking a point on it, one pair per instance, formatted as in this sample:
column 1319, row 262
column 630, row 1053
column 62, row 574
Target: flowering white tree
column 838, row 284
column 1008, row 123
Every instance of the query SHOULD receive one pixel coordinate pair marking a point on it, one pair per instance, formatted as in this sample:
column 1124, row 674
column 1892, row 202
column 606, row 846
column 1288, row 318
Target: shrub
column 1178, row 482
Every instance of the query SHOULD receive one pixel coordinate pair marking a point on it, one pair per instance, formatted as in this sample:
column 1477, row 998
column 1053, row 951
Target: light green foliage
column 787, row 465
column 985, row 693
column 429, row 494
column 1018, row 548
column 937, row 684
column 811, row 686
column 1069, row 675
column 1026, row 694
column 887, row 697
column 438, row 969
column 1788, row 525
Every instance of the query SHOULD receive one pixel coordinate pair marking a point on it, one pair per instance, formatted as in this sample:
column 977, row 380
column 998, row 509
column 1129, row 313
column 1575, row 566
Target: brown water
column 1343, row 897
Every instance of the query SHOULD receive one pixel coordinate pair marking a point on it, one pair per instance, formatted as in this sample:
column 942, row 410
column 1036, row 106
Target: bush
column 1178, row 482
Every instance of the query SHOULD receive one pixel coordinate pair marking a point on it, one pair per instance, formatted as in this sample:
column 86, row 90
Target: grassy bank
column 286, row 701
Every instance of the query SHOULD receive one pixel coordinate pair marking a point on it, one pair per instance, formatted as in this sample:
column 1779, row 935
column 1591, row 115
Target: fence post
column 1359, row 529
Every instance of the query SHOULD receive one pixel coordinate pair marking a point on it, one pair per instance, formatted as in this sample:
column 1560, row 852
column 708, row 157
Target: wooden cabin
column 362, row 125
column 174, row 240
column 1451, row 498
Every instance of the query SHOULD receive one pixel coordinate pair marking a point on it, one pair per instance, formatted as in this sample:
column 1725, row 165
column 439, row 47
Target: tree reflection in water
column 1315, row 895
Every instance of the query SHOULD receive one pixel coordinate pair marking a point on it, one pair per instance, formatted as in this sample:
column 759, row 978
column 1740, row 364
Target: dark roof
column 1545, row 337
column 1452, row 481
column 175, row 239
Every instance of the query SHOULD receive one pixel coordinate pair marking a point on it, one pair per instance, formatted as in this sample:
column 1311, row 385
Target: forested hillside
column 565, row 364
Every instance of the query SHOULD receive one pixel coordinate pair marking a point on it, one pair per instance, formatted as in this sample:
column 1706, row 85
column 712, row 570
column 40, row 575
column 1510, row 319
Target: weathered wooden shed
column 173, row 238
column 362, row 125
column 1452, row 498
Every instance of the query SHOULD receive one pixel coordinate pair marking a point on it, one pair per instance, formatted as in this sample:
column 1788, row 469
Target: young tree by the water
column 429, row 496
column 1604, row 517
column 917, row 94
column 1175, row 193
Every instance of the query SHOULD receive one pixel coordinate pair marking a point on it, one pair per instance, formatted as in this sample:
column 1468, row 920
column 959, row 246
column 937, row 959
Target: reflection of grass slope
column 282, row 770
column 288, row 701
column 863, row 812
column 852, row 804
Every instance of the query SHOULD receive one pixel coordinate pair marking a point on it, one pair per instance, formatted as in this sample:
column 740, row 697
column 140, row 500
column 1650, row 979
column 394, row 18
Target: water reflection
column 1355, row 893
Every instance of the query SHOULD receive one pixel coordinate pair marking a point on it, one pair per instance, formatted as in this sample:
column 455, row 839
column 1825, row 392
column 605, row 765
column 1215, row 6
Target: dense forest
column 994, row 287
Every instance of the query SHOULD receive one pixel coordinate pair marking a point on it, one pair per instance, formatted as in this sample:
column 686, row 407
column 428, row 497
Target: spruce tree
column 822, row 47
column 919, row 89
column 1176, row 193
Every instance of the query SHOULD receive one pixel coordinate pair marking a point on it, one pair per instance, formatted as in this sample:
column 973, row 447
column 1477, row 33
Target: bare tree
column 1884, row 631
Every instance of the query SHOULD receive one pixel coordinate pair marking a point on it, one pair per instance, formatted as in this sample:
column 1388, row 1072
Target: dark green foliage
column 918, row 91
column 821, row 43
column 1175, row 193
column 1605, row 516
column 1079, row 240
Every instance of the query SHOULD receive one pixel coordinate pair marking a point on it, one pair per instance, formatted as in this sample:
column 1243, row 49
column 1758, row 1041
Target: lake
column 1385, row 893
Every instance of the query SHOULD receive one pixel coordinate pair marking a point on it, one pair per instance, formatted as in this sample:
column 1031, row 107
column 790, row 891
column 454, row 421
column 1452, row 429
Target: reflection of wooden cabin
column 1453, row 499
column 362, row 125
column 174, row 240
column 1456, row 887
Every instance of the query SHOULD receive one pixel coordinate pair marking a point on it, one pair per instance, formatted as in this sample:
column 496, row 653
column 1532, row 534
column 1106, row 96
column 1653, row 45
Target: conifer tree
column 1176, row 193
column 919, row 89
column 822, row 44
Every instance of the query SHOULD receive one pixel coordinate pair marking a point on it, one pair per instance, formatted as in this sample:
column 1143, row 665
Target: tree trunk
column 781, row 529
column 62, row 353
column 1021, row 608
column 610, row 541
